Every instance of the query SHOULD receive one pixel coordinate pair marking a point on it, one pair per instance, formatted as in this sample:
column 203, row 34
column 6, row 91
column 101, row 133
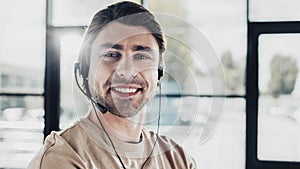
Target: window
column 268, row 10
column 202, row 78
column 272, row 66
column 22, row 34
column 279, row 113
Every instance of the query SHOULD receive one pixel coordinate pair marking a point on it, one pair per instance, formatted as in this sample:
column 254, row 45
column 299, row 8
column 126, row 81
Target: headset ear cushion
column 84, row 69
column 160, row 73
column 76, row 67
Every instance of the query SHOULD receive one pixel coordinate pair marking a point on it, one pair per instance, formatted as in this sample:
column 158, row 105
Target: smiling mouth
column 126, row 92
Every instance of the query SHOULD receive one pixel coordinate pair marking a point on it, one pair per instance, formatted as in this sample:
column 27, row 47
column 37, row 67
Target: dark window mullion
column 52, row 82
column 251, row 98
column 204, row 95
column 21, row 94
column 275, row 27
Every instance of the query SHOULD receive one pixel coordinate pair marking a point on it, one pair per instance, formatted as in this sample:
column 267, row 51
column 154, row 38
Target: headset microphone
column 99, row 106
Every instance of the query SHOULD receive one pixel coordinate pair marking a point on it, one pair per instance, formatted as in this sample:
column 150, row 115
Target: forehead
column 117, row 33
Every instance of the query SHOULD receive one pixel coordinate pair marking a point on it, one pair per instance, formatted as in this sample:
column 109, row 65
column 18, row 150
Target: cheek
column 99, row 75
column 151, row 78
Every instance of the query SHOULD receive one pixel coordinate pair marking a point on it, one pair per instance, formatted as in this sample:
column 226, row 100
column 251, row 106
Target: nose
column 126, row 69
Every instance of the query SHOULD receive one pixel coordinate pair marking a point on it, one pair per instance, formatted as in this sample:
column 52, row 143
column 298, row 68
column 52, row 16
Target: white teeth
column 126, row 90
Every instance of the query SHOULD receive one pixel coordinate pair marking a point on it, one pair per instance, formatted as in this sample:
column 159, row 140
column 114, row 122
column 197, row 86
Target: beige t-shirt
column 86, row 146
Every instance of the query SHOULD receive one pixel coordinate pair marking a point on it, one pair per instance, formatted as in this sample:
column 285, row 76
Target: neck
column 125, row 129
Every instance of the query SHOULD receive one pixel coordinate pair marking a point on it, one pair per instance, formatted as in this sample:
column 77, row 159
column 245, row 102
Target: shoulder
column 164, row 142
column 178, row 154
column 174, row 152
column 56, row 152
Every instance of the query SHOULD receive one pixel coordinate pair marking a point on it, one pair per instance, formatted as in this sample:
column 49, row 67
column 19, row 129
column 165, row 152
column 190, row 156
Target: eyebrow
column 142, row 48
column 121, row 47
column 110, row 45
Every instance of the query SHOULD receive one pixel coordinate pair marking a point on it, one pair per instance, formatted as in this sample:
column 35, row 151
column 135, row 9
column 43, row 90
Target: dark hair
column 127, row 13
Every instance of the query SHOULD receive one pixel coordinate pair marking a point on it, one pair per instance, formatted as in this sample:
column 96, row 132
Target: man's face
column 123, row 68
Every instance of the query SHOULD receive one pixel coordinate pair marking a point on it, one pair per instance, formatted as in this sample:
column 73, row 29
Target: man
column 120, row 63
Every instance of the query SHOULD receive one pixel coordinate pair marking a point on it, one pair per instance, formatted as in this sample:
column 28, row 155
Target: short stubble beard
column 122, row 107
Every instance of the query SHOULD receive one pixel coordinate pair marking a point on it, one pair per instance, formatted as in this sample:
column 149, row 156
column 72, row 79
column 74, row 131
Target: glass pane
column 229, row 131
column 279, row 109
column 76, row 12
column 269, row 10
column 70, row 46
column 192, row 28
column 21, row 130
column 199, row 71
column 179, row 111
column 22, row 34
column 185, row 111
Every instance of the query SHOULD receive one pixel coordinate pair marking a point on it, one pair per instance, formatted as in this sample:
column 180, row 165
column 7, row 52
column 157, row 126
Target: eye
column 110, row 56
column 141, row 56
column 114, row 55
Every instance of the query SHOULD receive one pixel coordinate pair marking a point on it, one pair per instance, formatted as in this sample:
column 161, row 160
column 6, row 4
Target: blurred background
column 257, row 47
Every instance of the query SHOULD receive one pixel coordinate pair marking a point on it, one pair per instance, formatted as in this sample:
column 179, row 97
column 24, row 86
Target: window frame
column 24, row 94
column 255, row 29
